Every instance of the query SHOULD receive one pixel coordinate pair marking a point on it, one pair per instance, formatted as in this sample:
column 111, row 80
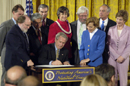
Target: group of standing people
column 89, row 41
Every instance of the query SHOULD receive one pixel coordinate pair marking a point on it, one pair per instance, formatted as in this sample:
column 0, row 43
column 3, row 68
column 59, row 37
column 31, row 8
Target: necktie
column 80, row 36
column 27, row 41
column 43, row 22
column 39, row 36
column 102, row 26
column 57, row 54
column 26, row 37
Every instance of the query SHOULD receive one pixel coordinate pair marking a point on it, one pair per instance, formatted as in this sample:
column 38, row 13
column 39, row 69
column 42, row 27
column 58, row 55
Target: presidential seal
column 49, row 75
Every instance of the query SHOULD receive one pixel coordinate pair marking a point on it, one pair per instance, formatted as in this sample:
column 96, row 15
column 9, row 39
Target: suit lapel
column 53, row 52
column 108, row 25
column 61, row 54
column 76, row 30
column 11, row 22
column 24, row 38
column 123, row 31
column 115, row 32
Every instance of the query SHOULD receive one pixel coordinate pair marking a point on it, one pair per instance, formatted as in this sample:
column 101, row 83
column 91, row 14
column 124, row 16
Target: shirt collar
column 105, row 21
column 14, row 21
column 35, row 28
column 94, row 31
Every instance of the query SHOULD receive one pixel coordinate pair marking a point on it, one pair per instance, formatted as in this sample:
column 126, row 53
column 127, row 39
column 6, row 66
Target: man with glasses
column 37, row 37
column 78, row 27
column 17, row 44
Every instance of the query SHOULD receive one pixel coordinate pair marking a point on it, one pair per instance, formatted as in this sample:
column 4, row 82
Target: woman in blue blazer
column 92, row 44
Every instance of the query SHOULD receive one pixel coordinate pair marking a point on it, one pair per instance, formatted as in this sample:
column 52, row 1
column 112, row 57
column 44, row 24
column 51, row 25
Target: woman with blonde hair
column 93, row 80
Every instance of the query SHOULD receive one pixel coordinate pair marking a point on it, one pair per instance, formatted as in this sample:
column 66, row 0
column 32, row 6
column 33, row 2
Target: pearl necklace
column 63, row 29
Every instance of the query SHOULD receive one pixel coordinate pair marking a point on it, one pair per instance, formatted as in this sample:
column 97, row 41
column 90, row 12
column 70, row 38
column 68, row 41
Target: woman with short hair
column 119, row 46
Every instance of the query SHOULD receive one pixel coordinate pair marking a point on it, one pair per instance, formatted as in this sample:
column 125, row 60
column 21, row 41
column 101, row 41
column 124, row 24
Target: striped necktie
column 57, row 54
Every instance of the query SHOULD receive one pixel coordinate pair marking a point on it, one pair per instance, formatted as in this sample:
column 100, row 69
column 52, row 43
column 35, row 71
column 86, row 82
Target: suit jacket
column 119, row 45
column 75, row 50
column 34, row 43
column 106, row 50
column 45, row 28
column 4, row 28
column 17, row 48
column 93, row 48
column 48, row 53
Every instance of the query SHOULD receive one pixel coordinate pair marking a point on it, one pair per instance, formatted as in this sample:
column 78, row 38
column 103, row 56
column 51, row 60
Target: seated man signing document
column 55, row 54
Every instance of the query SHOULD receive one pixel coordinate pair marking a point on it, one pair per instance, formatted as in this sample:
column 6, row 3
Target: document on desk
column 54, row 66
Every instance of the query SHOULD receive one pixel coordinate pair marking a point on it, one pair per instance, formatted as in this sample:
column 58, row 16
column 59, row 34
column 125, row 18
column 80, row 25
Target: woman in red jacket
column 61, row 25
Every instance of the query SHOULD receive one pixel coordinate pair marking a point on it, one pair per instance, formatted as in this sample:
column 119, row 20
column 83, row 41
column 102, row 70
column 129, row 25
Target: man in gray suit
column 17, row 11
column 78, row 27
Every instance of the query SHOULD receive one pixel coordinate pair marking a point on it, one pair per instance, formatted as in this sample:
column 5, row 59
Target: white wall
column 6, row 8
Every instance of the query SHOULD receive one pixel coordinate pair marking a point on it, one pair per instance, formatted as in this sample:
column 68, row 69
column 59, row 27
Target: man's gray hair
column 43, row 6
column 61, row 34
column 36, row 16
column 82, row 9
column 108, row 8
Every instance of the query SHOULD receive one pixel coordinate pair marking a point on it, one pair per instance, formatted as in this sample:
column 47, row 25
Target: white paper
column 54, row 65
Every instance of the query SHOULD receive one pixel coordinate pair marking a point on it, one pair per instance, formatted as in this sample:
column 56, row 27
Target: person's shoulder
column 53, row 24
column 50, row 21
column 48, row 46
column 100, row 32
column 65, row 49
column 112, row 27
column 127, row 27
column 74, row 22
column 111, row 21
column 6, row 23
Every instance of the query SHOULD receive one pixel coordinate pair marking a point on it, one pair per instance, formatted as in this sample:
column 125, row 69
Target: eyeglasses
column 37, row 22
column 83, row 15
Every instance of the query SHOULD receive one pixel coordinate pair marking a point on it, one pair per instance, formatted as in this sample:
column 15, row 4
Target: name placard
column 66, row 74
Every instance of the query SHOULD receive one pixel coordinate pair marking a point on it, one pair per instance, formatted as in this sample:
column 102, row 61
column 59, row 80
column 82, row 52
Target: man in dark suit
column 106, row 23
column 55, row 54
column 77, row 26
column 43, row 10
column 17, row 47
column 37, row 37
column 17, row 11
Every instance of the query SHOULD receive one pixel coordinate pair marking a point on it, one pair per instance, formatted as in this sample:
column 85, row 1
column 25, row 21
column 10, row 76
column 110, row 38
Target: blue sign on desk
column 66, row 74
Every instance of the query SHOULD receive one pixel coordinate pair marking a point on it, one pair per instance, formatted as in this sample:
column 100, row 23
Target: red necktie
column 39, row 36
column 43, row 22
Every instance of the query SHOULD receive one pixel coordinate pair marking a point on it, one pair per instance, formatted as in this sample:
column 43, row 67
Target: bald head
column 14, row 75
column 30, row 81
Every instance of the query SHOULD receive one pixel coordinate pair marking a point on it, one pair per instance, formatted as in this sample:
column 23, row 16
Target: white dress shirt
column 79, row 26
column 105, row 23
column 91, row 34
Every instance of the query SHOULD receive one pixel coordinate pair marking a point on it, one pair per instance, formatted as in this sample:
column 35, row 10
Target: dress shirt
column 79, row 26
column 91, row 34
column 14, row 20
column 55, row 52
column 119, row 32
column 105, row 23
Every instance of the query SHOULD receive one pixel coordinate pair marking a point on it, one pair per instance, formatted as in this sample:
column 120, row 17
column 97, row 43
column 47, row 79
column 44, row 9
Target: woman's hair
column 93, row 80
column 123, row 14
column 62, row 9
column 93, row 20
